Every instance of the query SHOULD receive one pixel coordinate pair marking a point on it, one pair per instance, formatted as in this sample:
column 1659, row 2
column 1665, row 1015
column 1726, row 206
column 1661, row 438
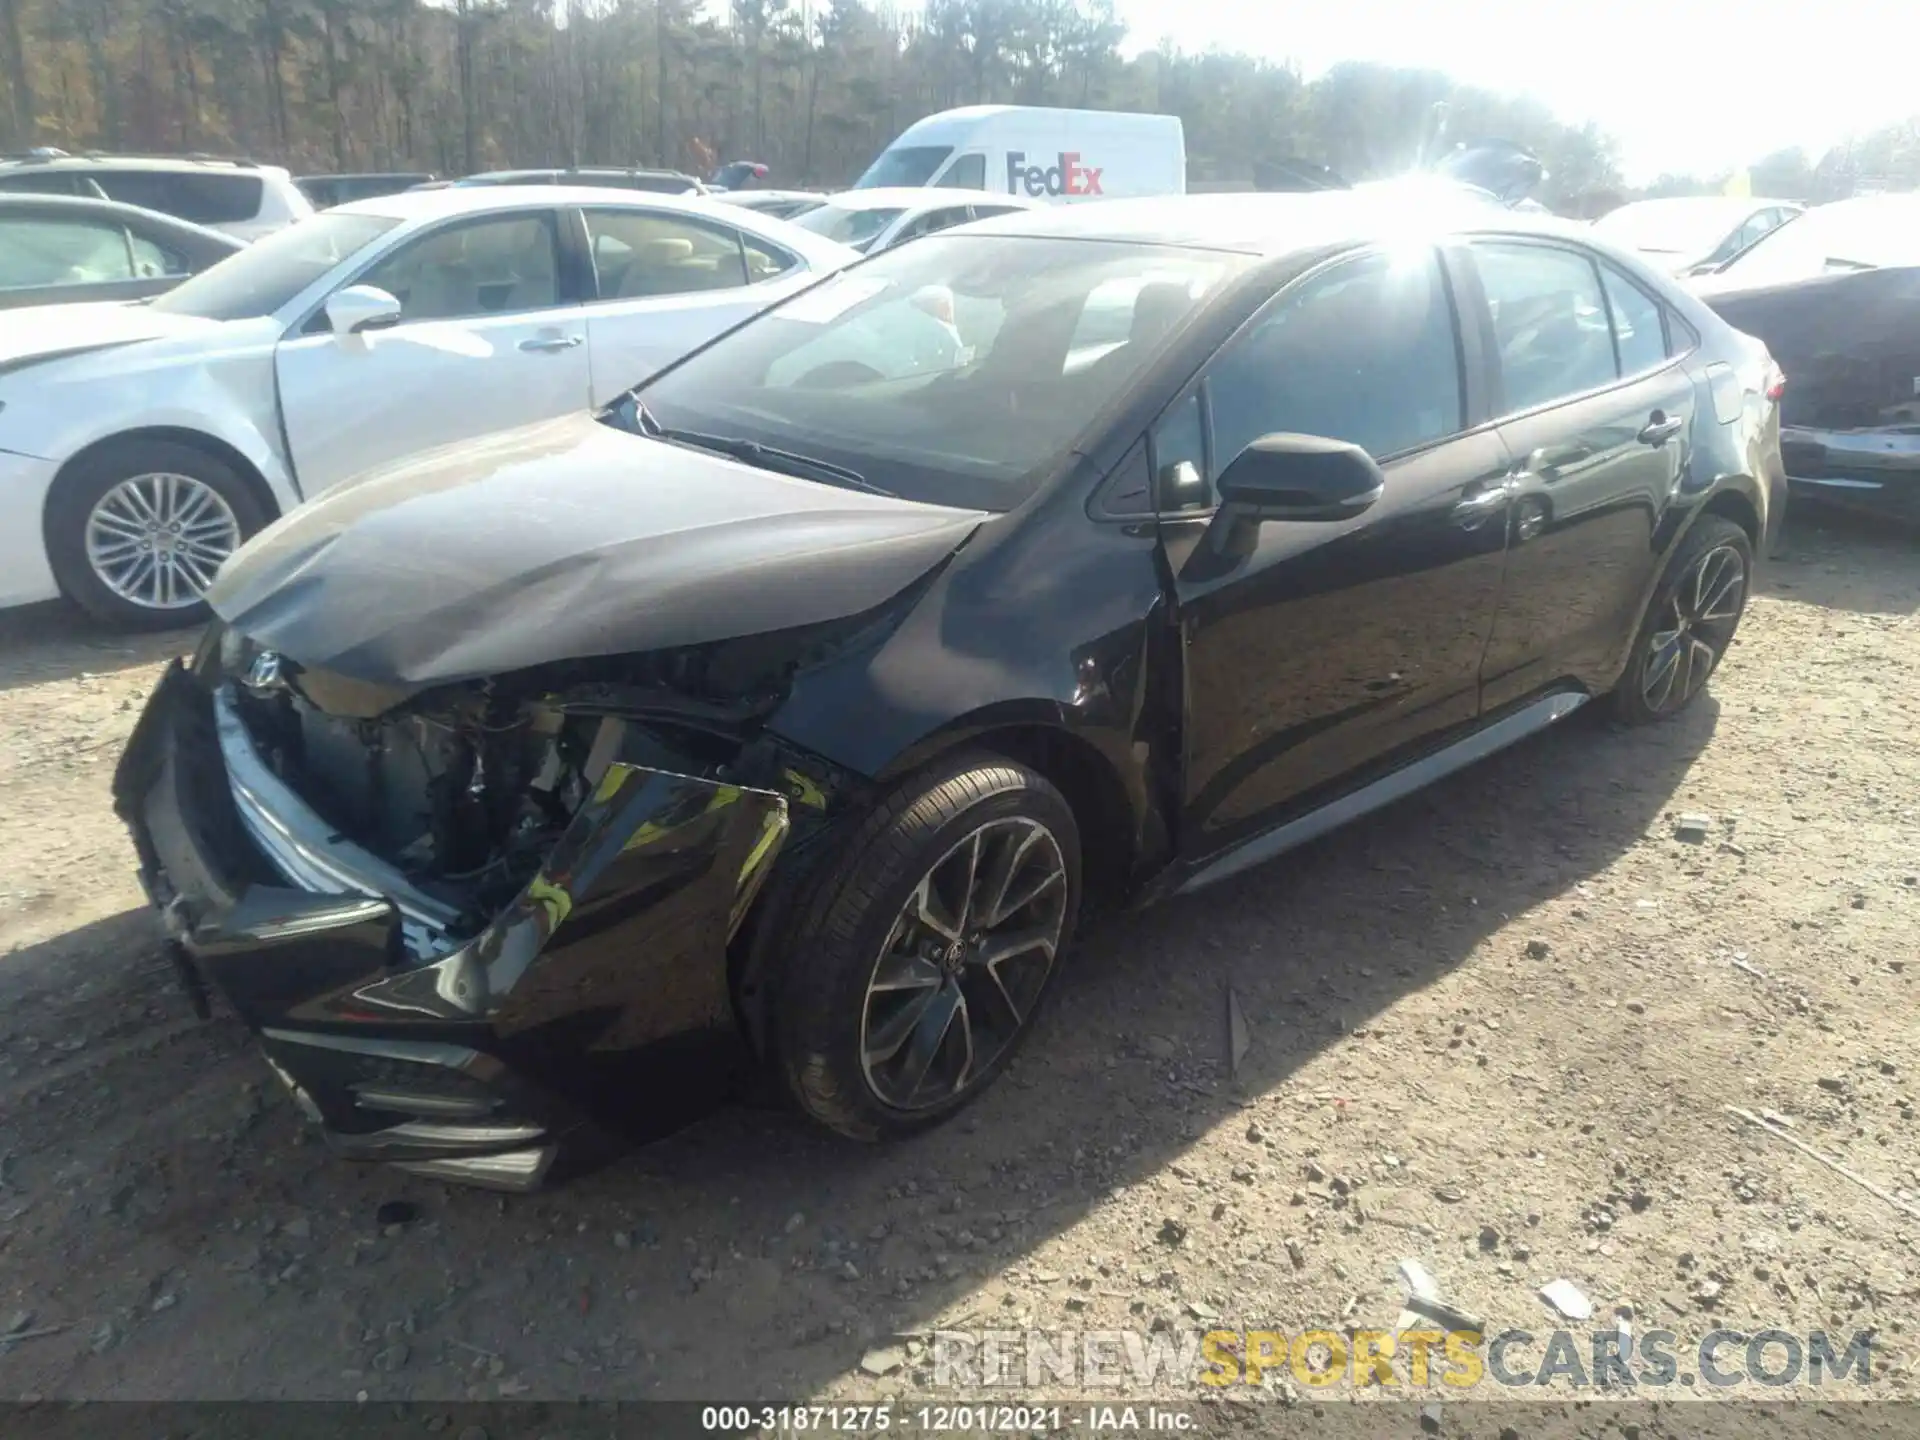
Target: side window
column 487, row 267
column 765, row 259
column 26, row 183
column 36, row 252
column 981, row 212
column 640, row 254
column 932, row 221
column 1549, row 322
column 1636, row 324
column 207, row 198
column 151, row 260
column 969, row 172
column 1364, row 352
column 1178, row 448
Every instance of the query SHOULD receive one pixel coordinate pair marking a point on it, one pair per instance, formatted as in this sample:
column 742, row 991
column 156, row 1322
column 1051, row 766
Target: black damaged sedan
column 792, row 715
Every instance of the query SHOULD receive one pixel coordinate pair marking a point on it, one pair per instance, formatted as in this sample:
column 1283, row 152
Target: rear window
column 210, row 197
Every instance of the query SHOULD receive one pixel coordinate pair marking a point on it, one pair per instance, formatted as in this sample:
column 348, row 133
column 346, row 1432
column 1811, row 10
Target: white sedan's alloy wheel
column 156, row 540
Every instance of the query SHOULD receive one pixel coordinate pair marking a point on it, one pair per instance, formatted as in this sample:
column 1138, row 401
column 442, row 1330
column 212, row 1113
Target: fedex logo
column 1069, row 177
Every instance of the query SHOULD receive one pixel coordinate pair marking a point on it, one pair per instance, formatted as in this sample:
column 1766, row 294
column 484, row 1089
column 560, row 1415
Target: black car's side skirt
column 1517, row 725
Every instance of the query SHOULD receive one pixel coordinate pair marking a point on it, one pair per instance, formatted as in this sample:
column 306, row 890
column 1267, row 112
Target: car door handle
column 1661, row 427
column 1474, row 510
column 543, row 343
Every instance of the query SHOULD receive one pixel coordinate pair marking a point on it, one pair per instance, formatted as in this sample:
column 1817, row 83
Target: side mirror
column 361, row 307
column 1300, row 477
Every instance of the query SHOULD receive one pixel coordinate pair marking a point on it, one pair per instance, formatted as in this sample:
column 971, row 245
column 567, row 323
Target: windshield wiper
column 752, row 452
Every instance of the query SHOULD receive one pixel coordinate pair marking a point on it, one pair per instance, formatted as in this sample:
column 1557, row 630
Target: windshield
column 904, row 165
column 1672, row 227
column 1862, row 234
column 858, row 228
column 267, row 274
column 954, row 370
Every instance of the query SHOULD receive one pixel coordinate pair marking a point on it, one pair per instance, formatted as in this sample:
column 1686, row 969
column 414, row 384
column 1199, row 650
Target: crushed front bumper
column 594, row 1009
column 1875, row 469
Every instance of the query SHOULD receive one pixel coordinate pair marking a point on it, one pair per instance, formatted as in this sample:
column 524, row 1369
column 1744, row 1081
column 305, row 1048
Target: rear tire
column 1689, row 625
column 892, row 1011
column 137, row 528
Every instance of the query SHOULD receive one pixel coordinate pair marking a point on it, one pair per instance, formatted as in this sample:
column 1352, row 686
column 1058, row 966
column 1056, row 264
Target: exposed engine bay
column 466, row 789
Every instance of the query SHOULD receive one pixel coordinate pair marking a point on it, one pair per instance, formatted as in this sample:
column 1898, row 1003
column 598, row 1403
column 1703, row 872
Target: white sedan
column 141, row 444
column 886, row 216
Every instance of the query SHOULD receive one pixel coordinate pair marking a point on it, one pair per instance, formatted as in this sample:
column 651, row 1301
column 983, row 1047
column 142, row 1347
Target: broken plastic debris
column 1238, row 1038
column 1565, row 1296
column 1419, row 1280
column 1693, row 827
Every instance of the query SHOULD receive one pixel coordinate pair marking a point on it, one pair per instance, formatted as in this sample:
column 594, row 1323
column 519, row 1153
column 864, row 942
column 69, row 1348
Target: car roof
column 581, row 170
column 1733, row 206
column 86, row 205
column 1273, row 225
column 420, row 207
column 919, row 197
column 164, row 163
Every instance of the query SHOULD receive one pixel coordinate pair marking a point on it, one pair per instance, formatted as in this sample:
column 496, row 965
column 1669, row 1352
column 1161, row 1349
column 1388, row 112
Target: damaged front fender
column 644, row 889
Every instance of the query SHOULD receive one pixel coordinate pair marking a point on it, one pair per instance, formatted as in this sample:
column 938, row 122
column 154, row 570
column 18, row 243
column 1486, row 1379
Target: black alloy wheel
column 926, row 948
column 1690, row 623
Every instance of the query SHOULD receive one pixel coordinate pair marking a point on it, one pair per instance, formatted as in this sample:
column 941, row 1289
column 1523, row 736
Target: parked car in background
column 658, row 182
column 57, row 249
column 236, row 196
column 784, row 203
column 1685, row 234
column 139, row 445
column 1037, row 152
column 875, row 220
column 1836, row 297
column 799, row 708
column 328, row 190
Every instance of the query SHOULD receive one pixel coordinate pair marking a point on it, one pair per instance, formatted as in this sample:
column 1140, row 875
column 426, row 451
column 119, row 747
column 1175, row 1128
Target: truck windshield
column 904, row 165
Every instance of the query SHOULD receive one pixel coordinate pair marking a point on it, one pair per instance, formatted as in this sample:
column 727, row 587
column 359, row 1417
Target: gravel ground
column 1495, row 1029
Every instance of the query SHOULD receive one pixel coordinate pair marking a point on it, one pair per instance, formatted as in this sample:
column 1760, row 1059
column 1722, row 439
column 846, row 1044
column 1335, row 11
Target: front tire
column 137, row 528
column 926, row 949
column 1690, row 624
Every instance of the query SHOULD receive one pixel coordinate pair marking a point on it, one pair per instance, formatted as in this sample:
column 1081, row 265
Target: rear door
column 664, row 283
column 1332, row 647
column 1595, row 408
column 489, row 338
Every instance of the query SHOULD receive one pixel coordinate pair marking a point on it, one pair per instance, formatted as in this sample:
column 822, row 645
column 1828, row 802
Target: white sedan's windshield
column 953, row 370
column 267, row 274
column 858, row 228
column 1865, row 234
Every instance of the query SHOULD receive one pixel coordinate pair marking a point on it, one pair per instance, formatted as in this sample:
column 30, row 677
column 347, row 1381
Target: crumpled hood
column 560, row 541
column 42, row 332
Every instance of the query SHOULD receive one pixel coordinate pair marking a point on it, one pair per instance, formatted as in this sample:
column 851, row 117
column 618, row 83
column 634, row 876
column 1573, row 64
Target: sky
column 1684, row 85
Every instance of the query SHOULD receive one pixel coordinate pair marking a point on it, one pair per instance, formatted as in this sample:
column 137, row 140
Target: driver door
column 488, row 339
column 1328, row 648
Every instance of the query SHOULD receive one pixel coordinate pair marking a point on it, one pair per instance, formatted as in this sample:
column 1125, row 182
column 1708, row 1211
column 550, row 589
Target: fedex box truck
column 1039, row 152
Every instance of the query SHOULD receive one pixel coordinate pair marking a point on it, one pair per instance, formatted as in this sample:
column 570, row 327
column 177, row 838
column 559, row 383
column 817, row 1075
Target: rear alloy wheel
column 136, row 531
column 927, row 949
column 1690, row 623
